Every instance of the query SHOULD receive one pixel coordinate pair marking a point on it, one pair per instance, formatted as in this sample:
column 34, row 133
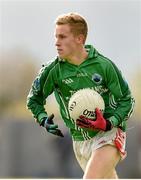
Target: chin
column 61, row 56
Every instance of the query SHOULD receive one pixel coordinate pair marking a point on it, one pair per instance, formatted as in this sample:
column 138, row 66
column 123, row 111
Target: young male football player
column 98, row 145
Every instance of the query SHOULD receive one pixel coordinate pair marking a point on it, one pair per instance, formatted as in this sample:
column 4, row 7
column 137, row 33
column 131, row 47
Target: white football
column 84, row 102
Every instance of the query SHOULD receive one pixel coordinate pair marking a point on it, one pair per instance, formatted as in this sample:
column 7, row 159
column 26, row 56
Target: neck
column 78, row 57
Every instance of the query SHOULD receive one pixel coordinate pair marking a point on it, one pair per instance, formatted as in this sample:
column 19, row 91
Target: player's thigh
column 102, row 161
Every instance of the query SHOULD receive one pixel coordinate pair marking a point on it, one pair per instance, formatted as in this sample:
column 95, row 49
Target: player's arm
column 122, row 94
column 37, row 98
column 125, row 103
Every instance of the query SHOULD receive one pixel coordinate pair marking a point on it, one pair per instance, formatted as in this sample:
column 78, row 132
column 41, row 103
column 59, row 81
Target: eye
column 62, row 36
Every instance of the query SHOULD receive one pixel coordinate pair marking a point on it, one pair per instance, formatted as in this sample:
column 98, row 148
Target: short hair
column 77, row 23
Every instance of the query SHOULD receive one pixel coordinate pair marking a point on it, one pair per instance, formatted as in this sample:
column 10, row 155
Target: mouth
column 59, row 50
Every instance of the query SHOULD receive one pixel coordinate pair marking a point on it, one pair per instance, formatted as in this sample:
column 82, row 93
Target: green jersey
column 64, row 79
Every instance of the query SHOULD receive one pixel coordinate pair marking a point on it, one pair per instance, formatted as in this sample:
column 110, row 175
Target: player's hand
column 52, row 128
column 99, row 123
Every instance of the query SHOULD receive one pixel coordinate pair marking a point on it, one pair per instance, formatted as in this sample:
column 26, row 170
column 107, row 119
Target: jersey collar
column 91, row 53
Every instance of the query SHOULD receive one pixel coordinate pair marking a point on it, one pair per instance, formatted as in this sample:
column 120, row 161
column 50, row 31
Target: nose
column 57, row 43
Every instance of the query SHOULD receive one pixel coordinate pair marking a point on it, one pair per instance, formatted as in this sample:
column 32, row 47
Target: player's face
column 66, row 42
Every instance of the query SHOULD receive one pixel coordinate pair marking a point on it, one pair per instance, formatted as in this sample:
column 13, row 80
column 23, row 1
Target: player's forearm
column 123, row 111
column 36, row 106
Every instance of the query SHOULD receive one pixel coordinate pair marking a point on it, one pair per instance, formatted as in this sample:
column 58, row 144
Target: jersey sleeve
column 36, row 98
column 122, row 95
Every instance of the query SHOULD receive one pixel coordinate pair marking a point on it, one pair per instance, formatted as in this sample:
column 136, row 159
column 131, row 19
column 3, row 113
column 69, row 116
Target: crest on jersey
column 36, row 86
column 97, row 78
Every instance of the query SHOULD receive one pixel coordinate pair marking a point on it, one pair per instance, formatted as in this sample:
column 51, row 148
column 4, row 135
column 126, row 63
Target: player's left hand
column 100, row 123
column 47, row 122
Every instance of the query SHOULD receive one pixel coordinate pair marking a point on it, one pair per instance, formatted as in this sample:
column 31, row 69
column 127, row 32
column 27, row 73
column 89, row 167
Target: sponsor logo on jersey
column 100, row 89
column 97, row 78
column 72, row 92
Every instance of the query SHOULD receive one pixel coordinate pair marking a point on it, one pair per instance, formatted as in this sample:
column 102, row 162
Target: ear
column 80, row 39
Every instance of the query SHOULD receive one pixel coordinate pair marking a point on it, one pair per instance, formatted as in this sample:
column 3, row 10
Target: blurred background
column 26, row 42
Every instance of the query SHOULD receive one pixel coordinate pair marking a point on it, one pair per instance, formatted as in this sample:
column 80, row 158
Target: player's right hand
column 47, row 122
